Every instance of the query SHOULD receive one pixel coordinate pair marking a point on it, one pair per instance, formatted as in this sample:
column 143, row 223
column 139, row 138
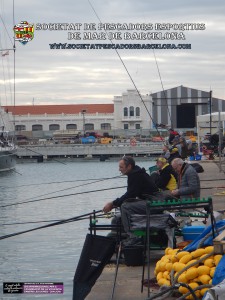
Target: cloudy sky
column 56, row 76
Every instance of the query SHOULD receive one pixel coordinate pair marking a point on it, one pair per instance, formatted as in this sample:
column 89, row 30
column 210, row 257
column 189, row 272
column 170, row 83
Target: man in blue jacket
column 139, row 184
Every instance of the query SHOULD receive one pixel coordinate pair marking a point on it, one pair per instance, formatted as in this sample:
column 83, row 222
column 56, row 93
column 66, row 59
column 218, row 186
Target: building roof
column 181, row 87
column 59, row 109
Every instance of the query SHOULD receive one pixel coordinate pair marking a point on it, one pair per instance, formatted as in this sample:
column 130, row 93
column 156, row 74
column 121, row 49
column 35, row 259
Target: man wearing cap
column 174, row 153
column 167, row 177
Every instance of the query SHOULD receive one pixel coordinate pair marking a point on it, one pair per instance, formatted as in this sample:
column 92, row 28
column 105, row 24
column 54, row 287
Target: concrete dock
column 89, row 150
column 128, row 284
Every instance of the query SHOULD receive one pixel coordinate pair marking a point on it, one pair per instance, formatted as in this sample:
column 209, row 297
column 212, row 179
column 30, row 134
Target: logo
column 24, row 32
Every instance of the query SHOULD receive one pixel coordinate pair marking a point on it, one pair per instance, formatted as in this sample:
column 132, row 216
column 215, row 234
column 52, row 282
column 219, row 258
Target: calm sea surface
column 52, row 254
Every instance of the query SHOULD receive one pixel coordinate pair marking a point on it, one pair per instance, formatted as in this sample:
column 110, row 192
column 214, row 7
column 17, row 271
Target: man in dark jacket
column 174, row 153
column 139, row 184
column 172, row 135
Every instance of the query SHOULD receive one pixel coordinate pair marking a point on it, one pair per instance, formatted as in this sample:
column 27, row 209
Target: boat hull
column 7, row 159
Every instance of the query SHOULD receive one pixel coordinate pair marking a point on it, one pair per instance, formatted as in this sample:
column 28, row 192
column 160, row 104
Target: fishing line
column 81, row 185
column 6, row 32
column 160, row 77
column 58, row 182
column 67, row 195
column 213, row 187
column 16, row 173
column 46, row 221
column 55, row 197
column 43, row 155
column 49, row 225
column 212, row 179
column 126, row 71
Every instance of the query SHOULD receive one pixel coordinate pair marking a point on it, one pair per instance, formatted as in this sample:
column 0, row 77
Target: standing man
column 139, row 184
column 172, row 135
column 188, row 180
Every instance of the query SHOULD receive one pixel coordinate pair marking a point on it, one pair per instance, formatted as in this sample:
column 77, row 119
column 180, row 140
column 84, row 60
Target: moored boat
column 7, row 152
column 7, row 159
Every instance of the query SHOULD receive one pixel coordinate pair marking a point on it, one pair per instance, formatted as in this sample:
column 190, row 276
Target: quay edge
column 88, row 151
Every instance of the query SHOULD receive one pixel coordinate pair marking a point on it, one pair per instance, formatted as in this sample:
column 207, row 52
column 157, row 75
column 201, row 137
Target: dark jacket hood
column 137, row 169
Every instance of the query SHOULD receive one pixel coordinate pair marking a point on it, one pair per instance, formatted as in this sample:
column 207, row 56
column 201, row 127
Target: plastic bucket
column 198, row 157
column 134, row 255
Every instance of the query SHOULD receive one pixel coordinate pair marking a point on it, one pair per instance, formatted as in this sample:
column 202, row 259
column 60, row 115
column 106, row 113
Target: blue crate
column 190, row 233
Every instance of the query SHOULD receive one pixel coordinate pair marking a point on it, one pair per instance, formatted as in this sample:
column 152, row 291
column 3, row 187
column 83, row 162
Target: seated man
column 165, row 178
column 188, row 180
column 174, row 153
column 139, row 184
column 166, row 151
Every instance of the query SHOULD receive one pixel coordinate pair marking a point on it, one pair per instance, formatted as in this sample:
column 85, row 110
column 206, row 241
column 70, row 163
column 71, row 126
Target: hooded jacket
column 168, row 178
column 188, row 182
column 139, row 183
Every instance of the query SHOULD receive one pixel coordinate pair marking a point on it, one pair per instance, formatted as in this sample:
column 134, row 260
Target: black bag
column 134, row 255
column 96, row 253
column 198, row 168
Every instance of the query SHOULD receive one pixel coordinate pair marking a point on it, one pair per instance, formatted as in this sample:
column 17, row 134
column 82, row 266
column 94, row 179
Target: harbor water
column 62, row 191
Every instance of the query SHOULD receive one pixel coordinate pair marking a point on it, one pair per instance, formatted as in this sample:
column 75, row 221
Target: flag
column 96, row 253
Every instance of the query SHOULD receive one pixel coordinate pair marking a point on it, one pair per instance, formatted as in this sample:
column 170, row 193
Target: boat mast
column 14, row 72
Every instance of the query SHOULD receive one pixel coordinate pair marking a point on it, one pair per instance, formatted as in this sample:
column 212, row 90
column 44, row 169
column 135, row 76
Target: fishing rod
column 213, row 187
column 59, row 182
column 162, row 87
column 128, row 73
column 108, row 215
column 81, row 185
column 212, row 179
column 49, row 225
column 74, row 194
column 16, row 172
column 55, row 197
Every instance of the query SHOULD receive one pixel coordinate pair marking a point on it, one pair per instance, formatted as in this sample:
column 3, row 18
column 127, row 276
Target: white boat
column 7, row 123
column 7, row 151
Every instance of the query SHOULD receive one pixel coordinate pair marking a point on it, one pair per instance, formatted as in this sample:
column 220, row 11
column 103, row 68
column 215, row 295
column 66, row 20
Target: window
column 37, row 127
column 125, row 126
column 20, row 127
column 125, row 111
column 89, row 126
column 137, row 126
column 105, row 126
column 71, row 126
column 131, row 111
column 137, row 111
column 53, row 127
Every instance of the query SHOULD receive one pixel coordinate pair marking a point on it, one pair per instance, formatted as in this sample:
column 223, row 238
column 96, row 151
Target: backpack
column 198, row 168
